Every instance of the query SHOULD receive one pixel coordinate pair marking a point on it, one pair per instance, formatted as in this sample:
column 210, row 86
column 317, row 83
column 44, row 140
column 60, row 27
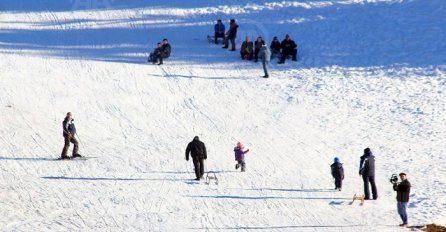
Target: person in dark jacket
column 288, row 47
column 246, row 49
column 69, row 131
column 367, row 171
column 231, row 34
column 402, row 197
column 257, row 46
column 337, row 171
column 239, row 153
column 275, row 47
column 165, row 51
column 153, row 57
column 197, row 150
column 219, row 30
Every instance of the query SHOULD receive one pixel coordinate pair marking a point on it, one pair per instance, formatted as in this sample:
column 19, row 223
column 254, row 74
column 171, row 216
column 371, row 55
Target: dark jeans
column 160, row 57
column 286, row 53
column 241, row 163
column 219, row 35
column 402, row 211
column 371, row 180
column 256, row 54
column 338, row 183
column 232, row 42
column 152, row 58
column 73, row 140
column 198, row 167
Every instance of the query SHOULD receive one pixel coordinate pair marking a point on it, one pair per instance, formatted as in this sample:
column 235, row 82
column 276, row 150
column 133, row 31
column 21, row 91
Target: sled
column 358, row 197
column 211, row 176
column 211, row 39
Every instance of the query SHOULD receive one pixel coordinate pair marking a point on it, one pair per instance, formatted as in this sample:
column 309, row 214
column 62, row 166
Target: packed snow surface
column 369, row 74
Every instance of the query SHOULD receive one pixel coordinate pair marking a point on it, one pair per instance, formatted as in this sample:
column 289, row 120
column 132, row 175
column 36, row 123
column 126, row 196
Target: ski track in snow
column 370, row 73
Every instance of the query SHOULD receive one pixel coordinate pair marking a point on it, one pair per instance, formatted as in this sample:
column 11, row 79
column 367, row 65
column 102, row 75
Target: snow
column 370, row 74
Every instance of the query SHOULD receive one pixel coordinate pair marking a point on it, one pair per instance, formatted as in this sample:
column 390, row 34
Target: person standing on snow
column 367, row 171
column 231, row 34
column 402, row 197
column 337, row 171
column 265, row 56
column 69, row 131
column 197, row 150
column 240, row 156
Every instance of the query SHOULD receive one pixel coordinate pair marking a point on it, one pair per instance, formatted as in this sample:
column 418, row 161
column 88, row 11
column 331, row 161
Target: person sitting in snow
column 240, row 156
column 337, row 171
column 257, row 46
column 289, row 48
column 275, row 47
column 153, row 57
column 246, row 50
column 219, row 30
column 165, row 51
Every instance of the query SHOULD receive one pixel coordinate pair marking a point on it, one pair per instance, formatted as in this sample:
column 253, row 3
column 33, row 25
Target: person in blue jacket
column 219, row 29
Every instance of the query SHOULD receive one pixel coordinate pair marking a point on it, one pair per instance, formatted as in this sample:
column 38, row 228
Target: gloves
column 187, row 158
column 205, row 157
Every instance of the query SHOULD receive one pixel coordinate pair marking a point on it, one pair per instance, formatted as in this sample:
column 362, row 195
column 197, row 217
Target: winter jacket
column 337, row 171
column 258, row 44
column 246, row 47
column 165, row 50
column 265, row 54
column 219, row 28
column 288, row 46
column 239, row 153
column 367, row 165
column 197, row 149
column 232, row 32
column 68, row 127
column 402, row 191
column 275, row 46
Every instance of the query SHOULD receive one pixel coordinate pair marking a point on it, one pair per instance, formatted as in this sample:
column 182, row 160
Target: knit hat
column 196, row 138
column 336, row 160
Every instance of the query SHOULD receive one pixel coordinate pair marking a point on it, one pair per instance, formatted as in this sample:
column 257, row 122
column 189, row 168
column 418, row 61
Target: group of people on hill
column 367, row 172
column 162, row 51
column 197, row 150
column 258, row 49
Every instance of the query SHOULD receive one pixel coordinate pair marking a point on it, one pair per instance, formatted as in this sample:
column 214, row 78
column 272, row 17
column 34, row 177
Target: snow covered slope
column 370, row 74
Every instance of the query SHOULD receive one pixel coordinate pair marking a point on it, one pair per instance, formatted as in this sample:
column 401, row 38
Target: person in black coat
column 165, row 51
column 197, row 150
column 337, row 171
column 231, row 34
column 257, row 46
column 69, row 132
column 367, row 171
column 402, row 197
column 246, row 49
column 275, row 47
column 288, row 47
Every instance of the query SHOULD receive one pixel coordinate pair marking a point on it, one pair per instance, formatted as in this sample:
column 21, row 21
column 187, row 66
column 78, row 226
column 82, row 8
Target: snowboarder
column 402, row 197
column 153, row 57
column 219, row 30
column 289, row 47
column 367, row 171
column 265, row 56
column 69, row 132
column 197, row 150
column 246, row 49
column 337, row 171
column 257, row 46
column 165, row 51
column 240, row 156
column 231, row 34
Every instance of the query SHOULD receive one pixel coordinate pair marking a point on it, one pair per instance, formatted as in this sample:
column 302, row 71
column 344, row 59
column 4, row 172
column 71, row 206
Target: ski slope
column 370, row 74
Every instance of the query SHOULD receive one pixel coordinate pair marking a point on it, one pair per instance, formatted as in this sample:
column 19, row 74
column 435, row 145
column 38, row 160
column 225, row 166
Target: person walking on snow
column 265, row 56
column 367, row 171
column 337, row 171
column 197, row 150
column 240, row 156
column 402, row 197
column 69, row 131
